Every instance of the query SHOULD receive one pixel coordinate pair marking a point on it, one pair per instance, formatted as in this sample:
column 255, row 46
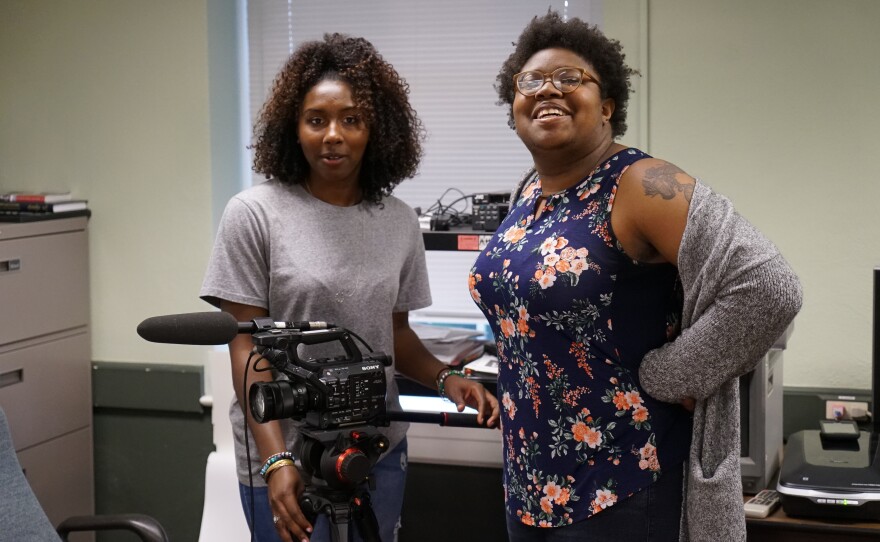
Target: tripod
column 340, row 461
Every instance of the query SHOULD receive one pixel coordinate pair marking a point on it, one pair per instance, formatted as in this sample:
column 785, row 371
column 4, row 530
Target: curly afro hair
column 396, row 133
column 603, row 54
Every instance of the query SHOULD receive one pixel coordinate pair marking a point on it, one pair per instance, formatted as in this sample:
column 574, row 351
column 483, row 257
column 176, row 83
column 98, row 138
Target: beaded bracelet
column 441, row 380
column 277, row 465
column 441, row 375
column 272, row 459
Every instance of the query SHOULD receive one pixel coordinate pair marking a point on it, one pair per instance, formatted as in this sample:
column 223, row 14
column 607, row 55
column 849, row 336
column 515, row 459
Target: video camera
column 324, row 393
column 339, row 400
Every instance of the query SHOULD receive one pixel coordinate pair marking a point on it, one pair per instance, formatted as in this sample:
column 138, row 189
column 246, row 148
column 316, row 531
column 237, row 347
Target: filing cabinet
column 45, row 358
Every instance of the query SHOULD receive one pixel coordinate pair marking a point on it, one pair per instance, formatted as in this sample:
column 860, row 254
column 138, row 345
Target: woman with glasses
column 625, row 298
column 324, row 239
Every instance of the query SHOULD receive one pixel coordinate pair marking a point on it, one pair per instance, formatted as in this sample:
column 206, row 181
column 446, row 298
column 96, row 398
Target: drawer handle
column 11, row 377
column 10, row 265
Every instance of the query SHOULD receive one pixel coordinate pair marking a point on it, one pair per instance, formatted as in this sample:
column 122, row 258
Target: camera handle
column 352, row 352
column 288, row 340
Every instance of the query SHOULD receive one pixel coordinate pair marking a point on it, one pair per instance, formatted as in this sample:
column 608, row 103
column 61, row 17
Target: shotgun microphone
column 216, row 327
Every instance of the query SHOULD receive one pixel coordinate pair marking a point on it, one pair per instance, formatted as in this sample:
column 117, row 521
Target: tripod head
column 340, row 458
column 339, row 461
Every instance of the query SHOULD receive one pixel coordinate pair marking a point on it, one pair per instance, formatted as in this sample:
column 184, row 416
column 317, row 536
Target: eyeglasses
column 565, row 79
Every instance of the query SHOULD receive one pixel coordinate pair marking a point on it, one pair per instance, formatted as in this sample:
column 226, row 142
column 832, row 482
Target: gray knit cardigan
column 739, row 296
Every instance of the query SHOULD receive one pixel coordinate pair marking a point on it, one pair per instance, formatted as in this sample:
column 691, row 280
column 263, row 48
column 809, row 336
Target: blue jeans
column 387, row 499
column 651, row 515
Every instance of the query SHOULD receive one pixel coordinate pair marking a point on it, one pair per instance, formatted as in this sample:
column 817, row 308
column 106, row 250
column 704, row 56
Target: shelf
column 459, row 240
column 39, row 217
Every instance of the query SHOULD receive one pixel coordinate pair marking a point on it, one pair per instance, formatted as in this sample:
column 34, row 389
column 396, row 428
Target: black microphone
column 216, row 327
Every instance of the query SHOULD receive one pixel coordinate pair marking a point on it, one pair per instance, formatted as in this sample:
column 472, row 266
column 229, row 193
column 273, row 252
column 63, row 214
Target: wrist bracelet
column 272, row 459
column 440, row 372
column 277, row 465
column 441, row 376
column 441, row 380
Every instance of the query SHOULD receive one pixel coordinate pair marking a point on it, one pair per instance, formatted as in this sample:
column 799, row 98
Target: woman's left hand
column 689, row 403
column 465, row 392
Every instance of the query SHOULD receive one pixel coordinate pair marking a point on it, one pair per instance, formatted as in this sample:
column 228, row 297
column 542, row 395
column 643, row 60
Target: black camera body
column 324, row 393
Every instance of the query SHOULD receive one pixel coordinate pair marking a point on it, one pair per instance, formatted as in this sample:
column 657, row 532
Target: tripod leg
column 338, row 532
column 338, row 512
column 365, row 518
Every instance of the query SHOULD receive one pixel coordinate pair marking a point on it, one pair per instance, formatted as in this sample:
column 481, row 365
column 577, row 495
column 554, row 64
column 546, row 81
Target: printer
column 833, row 478
column 835, row 472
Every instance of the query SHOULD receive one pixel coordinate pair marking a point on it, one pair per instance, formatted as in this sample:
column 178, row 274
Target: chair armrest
column 146, row 527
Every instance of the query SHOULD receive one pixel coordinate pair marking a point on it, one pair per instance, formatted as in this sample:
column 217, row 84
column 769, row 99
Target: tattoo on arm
column 661, row 181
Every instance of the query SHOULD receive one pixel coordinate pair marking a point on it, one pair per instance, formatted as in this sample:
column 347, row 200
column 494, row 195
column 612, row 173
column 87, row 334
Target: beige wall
column 773, row 103
column 109, row 98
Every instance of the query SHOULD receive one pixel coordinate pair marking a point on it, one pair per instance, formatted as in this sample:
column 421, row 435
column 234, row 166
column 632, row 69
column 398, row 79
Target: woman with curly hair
column 324, row 239
column 638, row 297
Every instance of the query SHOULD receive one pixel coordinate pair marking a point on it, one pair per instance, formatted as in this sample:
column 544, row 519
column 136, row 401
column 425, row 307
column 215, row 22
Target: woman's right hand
column 285, row 488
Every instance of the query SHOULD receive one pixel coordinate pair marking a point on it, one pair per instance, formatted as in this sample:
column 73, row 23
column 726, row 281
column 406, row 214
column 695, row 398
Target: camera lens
column 276, row 400
column 258, row 406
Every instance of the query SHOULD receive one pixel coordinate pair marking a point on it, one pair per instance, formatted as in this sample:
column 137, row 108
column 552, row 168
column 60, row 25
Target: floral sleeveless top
column 573, row 316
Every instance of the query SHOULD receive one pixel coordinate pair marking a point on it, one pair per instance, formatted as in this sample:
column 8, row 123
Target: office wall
column 774, row 104
column 110, row 99
column 771, row 103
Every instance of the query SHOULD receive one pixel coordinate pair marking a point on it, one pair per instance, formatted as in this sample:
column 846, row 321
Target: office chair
column 22, row 518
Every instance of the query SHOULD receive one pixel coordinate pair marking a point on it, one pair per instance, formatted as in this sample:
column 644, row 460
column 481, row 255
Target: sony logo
column 370, row 367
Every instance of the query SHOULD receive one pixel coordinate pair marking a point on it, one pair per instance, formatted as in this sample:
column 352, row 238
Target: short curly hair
column 604, row 54
column 394, row 148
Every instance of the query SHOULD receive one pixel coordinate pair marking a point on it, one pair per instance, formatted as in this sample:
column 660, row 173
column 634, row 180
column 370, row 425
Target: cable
column 363, row 342
column 443, row 209
column 247, row 445
column 447, row 214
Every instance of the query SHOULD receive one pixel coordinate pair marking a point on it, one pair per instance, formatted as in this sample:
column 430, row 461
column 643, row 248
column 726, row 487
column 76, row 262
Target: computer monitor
column 875, row 361
column 760, row 393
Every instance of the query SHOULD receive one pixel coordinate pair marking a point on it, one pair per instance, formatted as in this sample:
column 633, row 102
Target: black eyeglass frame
column 553, row 80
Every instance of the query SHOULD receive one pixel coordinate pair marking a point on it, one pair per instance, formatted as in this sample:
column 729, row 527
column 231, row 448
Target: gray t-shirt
column 303, row 259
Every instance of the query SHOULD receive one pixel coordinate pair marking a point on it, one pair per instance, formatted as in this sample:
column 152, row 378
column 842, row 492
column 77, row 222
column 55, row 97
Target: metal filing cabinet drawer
column 43, row 283
column 45, row 389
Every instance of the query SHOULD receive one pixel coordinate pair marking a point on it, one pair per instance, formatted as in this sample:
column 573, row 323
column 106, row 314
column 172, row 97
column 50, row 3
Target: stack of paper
column 451, row 345
column 484, row 364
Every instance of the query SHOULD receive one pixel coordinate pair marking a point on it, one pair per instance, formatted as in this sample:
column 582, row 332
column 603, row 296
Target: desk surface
column 778, row 527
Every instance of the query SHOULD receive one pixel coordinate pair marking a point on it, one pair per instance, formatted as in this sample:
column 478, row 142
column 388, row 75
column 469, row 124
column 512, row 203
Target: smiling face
column 552, row 121
column 332, row 134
